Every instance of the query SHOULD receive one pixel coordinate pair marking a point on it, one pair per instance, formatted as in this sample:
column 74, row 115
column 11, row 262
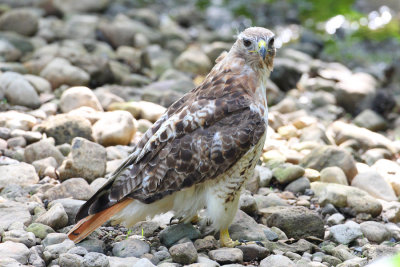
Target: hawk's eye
column 271, row 42
column 246, row 42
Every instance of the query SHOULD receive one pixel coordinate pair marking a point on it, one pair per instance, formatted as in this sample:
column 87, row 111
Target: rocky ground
column 82, row 81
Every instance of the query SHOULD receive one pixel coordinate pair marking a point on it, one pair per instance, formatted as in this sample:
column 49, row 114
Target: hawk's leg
column 226, row 241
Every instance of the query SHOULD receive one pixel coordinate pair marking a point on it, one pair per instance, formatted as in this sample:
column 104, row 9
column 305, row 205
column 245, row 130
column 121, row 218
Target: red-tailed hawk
column 200, row 152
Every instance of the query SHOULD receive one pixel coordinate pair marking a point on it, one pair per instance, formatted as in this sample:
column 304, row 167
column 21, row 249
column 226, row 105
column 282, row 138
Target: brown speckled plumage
column 202, row 136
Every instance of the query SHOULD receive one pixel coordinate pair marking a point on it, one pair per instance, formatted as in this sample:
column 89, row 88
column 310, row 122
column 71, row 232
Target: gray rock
column 79, row 250
column 18, row 91
column 205, row 244
column 143, row 262
column 277, row 261
column 76, row 188
column 130, row 248
column 79, row 96
column 41, row 85
column 183, row 253
column 226, row 255
column 298, row 186
column 70, row 260
column 264, row 174
column 371, row 120
column 335, row 219
column 59, row 71
column 328, row 156
column 193, row 60
column 40, row 230
column 375, row 232
column 355, row 91
column 87, row 160
column 35, row 256
column 11, row 212
column 147, row 228
column 174, row 233
column 17, row 120
column 365, row 138
column 287, row 173
column 122, row 262
column 93, row 245
column 22, row 21
column 71, row 206
column 54, row 238
column 333, row 175
column 271, row 200
column 246, row 228
column 20, row 236
column 15, row 142
column 64, row 127
column 297, row 222
column 248, row 204
column 22, row 174
column 16, row 251
column 54, row 251
column 8, row 52
column 93, row 259
column 287, row 73
column 55, row 217
column 346, row 196
column 271, row 235
column 253, row 252
column 345, row 233
column 41, row 150
column 42, row 164
column 373, row 183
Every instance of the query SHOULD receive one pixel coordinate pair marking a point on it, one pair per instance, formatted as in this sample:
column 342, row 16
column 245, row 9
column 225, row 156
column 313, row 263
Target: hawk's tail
column 87, row 225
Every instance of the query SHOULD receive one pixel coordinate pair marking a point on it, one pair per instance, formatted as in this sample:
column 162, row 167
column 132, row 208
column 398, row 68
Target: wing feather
column 200, row 136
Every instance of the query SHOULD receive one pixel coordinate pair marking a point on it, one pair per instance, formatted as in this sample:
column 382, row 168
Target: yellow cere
column 261, row 43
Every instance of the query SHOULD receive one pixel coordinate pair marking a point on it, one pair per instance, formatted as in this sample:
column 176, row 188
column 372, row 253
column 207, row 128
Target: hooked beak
column 262, row 48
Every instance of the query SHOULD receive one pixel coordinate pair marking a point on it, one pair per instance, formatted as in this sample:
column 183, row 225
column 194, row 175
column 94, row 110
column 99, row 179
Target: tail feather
column 90, row 223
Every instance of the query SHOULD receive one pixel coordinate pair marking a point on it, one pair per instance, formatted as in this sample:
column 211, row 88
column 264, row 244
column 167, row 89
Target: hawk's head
column 256, row 45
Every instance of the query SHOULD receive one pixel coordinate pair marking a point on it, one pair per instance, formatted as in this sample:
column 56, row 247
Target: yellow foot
column 226, row 241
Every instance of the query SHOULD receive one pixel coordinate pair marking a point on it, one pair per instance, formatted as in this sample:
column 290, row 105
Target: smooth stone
column 328, row 156
column 334, row 219
column 298, row 186
column 244, row 227
column 253, row 252
column 16, row 251
column 277, row 261
column 59, row 71
column 373, row 183
column 346, row 196
column 183, row 253
column 11, row 212
column 287, row 173
column 297, row 222
column 333, row 175
column 76, row 188
column 94, row 259
column 130, row 248
column 87, row 160
column 43, row 149
column 226, row 255
column 22, row 174
column 345, row 233
column 40, row 230
column 371, row 120
column 20, row 236
column 114, row 128
column 174, row 233
column 55, row 217
column 375, row 232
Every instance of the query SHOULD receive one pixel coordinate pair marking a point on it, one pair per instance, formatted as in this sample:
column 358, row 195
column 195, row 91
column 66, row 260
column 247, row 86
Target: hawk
column 199, row 153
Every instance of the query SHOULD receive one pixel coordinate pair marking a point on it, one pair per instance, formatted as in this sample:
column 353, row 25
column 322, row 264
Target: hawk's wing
column 194, row 141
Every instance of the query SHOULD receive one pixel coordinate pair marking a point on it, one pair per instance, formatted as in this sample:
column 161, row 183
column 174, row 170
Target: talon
column 226, row 241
